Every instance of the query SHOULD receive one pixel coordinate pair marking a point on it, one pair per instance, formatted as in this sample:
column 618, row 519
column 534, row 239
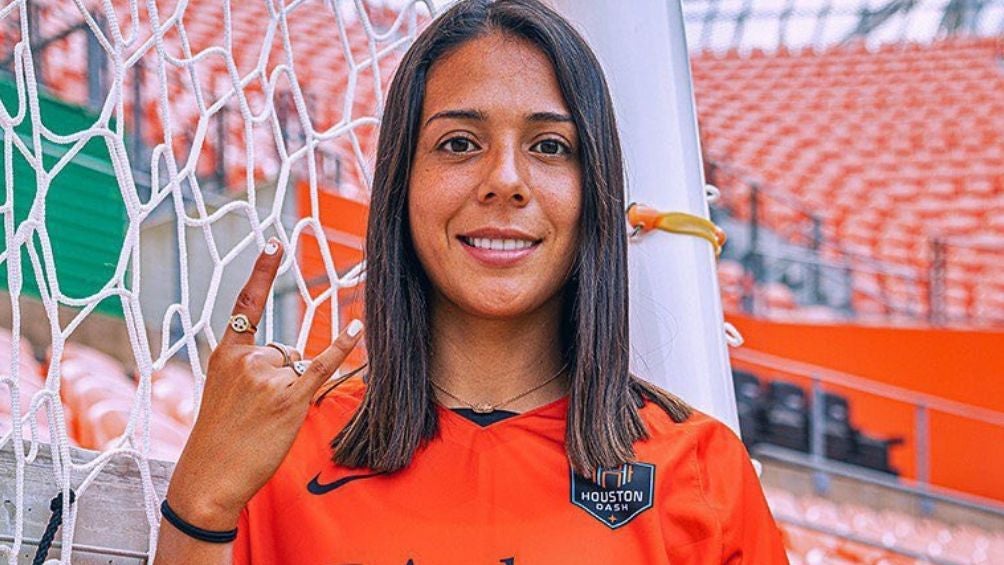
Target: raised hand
column 252, row 407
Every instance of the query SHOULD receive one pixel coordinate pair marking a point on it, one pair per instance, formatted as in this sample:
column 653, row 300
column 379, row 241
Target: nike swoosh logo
column 315, row 487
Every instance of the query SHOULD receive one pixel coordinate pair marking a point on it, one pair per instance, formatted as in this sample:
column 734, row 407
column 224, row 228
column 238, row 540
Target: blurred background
column 857, row 148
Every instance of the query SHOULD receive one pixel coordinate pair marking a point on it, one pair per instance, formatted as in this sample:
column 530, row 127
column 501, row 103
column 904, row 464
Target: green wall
column 84, row 212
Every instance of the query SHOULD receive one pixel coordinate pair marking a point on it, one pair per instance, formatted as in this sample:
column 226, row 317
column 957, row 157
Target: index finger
column 251, row 299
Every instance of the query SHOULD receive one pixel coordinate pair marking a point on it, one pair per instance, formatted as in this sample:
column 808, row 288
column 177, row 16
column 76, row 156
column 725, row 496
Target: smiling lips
column 498, row 247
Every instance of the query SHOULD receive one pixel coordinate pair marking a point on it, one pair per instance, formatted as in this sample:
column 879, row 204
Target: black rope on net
column 55, row 520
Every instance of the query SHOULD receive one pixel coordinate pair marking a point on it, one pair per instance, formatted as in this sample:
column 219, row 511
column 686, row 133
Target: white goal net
column 151, row 147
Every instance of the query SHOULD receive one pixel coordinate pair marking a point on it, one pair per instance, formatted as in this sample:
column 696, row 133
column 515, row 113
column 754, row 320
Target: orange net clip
column 645, row 218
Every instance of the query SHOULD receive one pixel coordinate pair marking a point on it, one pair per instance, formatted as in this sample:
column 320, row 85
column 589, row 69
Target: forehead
column 495, row 73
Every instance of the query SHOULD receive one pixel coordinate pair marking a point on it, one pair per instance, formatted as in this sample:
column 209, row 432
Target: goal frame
column 678, row 338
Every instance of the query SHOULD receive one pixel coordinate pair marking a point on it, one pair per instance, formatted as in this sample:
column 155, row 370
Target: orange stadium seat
column 102, row 422
column 730, row 279
column 890, row 146
column 98, row 396
column 105, row 421
column 172, row 393
column 777, row 297
column 86, row 382
column 30, row 382
column 321, row 67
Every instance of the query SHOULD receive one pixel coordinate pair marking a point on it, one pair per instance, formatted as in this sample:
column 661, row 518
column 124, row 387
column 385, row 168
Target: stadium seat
column 98, row 397
column 839, row 435
column 779, row 412
column 892, row 170
column 777, row 297
column 30, row 382
column 104, row 422
column 750, row 405
column 730, row 280
column 786, row 416
column 172, row 393
column 87, row 377
column 873, row 452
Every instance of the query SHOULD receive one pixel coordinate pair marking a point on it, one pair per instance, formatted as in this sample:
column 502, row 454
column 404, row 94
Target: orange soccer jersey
column 504, row 494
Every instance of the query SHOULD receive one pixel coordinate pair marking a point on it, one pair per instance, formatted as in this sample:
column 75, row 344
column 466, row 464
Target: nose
column 506, row 178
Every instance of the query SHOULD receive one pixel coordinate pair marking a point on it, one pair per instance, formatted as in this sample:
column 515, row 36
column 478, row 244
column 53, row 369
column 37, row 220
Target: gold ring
column 300, row 367
column 241, row 324
column 281, row 348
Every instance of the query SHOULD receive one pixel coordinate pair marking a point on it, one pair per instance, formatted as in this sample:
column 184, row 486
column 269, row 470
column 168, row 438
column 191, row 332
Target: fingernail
column 271, row 246
column 355, row 326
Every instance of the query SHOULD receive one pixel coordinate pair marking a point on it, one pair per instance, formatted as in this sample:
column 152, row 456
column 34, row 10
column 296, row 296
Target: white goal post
column 677, row 333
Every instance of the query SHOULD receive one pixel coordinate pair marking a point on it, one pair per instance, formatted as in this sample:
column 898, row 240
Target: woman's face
column 496, row 186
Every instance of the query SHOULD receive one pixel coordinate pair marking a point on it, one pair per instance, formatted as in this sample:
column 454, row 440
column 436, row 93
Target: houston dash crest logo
column 615, row 496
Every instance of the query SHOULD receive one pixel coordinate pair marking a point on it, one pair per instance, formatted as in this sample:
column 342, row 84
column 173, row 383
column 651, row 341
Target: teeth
column 498, row 244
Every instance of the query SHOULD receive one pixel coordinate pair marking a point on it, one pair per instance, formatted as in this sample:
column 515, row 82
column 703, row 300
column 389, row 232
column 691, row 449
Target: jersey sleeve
column 732, row 488
column 242, row 544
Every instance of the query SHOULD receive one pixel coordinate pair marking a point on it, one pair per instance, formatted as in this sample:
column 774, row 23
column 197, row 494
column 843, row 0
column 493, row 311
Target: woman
column 497, row 422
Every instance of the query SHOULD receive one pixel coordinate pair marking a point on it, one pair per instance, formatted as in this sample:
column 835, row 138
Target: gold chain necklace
column 487, row 407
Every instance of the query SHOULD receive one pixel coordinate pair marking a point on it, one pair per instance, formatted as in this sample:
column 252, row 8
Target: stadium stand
column 68, row 59
column 99, row 394
column 875, row 530
column 896, row 151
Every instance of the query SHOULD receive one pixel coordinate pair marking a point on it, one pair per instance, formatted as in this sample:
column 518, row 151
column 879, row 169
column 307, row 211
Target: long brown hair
column 398, row 411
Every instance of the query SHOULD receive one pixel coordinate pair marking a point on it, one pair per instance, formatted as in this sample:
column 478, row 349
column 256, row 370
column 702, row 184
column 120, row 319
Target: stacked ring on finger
column 281, row 348
column 300, row 367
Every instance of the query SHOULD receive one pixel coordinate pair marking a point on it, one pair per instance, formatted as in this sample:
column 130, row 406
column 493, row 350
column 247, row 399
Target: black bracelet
column 195, row 531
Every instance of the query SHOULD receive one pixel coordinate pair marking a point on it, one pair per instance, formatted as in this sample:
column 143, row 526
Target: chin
column 499, row 303
column 495, row 312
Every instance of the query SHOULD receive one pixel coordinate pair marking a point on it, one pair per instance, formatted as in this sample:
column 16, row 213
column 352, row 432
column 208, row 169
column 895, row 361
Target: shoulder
column 334, row 405
column 726, row 479
column 720, row 469
column 699, row 428
column 717, row 450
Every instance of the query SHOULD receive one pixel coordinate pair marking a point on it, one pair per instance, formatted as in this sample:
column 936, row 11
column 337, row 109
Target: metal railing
column 861, row 540
column 922, row 404
column 781, row 240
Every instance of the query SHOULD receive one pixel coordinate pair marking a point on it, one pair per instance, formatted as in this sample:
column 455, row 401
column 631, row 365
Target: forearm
column 176, row 548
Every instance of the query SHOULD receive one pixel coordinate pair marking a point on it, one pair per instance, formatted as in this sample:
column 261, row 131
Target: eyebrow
column 479, row 116
column 464, row 114
column 549, row 117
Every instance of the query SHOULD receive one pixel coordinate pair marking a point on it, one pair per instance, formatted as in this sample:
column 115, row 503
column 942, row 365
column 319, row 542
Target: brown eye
column 459, row 145
column 551, row 147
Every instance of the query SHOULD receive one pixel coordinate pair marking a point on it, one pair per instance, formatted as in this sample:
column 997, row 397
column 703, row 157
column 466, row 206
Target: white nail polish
column 271, row 246
column 355, row 326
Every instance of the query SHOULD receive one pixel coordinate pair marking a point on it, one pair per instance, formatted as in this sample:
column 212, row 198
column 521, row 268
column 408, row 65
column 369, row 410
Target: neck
column 484, row 360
